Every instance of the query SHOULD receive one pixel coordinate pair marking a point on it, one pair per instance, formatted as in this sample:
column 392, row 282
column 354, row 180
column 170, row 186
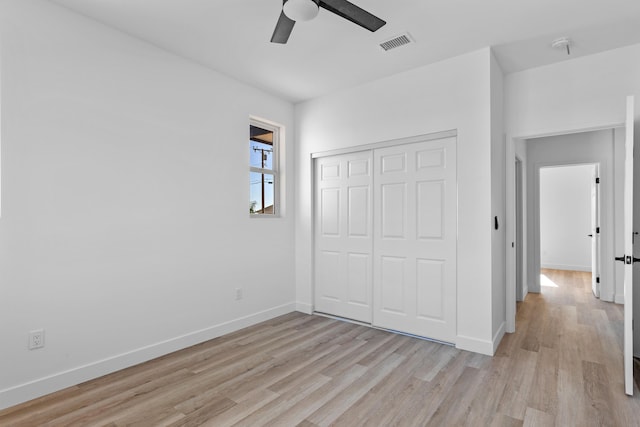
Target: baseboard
column 567, row 267
column 475, row 345
column 43, row 386
column 619, row 299
column 304, row 307
column 497, row 338
column 606, row 297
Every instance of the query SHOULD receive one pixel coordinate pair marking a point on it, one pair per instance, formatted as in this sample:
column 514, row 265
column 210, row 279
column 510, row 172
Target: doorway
column 569, row 221
column 612, row 149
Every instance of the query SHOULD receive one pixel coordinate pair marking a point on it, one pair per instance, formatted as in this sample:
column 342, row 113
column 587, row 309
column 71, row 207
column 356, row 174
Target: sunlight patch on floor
column 546, row 282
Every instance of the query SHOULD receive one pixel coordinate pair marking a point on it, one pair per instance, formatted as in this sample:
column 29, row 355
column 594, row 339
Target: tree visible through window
column 263, row 144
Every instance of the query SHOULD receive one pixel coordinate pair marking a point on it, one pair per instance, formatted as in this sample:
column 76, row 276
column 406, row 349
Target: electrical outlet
column 238, row 294
column 36, row 339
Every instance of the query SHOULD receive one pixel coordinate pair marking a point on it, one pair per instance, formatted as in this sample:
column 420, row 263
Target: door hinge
column 598, row 279
column 597, row 180
column 597, row 230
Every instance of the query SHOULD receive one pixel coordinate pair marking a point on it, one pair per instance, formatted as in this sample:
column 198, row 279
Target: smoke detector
column 563, row 43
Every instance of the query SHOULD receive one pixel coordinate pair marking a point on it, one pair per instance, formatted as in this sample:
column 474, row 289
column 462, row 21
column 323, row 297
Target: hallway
column 566, row 355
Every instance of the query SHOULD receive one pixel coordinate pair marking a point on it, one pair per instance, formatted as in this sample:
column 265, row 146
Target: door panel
column 393, row 285
column 343, row 245
column 393, row 211
column 359, row 280
column 330, row 205
column 358, row 215
column 414, row 240
column 430, row 283
column 430, row 205
column 328, row 267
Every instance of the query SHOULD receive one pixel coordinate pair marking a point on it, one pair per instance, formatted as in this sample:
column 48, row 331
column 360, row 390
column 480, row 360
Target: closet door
column 415, row 217
column 343, row 240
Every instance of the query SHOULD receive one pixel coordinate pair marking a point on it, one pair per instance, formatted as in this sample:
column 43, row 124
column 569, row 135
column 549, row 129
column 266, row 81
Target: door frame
column 518, row 244
column 510, row 199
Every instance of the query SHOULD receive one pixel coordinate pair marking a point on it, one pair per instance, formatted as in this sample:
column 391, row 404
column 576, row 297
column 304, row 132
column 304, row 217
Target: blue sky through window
column 261, row 156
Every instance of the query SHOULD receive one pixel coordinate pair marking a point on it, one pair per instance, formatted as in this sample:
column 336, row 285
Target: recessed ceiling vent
column 397, row 41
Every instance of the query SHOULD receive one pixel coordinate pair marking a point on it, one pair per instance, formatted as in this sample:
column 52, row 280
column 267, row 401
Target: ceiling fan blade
column 353, row 13
column 283, row 29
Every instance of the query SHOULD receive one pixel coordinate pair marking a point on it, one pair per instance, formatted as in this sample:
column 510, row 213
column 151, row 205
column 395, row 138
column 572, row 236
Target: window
column 263, row 168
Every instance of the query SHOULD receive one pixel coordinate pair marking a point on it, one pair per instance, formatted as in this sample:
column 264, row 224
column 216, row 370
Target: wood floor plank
column 302, row 409
column 456, row 405
column 382, row 397
column 535, row 418
column 562, row 367
column 250, row 404
column 544, row 390
column 331, row 410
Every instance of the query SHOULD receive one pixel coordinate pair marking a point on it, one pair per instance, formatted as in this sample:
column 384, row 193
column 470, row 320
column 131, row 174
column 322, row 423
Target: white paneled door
column 385, row 237
column 343, row 238
column 415, row 225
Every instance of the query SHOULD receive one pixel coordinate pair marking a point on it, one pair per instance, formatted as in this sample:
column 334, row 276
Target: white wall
column 453, row 94
column 498, row 208
column 565, row 217
column 125, row 225
column 584, row 93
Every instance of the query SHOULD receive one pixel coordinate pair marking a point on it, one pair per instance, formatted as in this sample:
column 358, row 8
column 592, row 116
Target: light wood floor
column 562, row 367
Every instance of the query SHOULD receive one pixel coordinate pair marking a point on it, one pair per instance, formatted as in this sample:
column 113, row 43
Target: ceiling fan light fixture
column 301, row 10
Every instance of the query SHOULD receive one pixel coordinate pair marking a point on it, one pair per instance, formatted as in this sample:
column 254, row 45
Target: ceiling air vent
column 397, row 41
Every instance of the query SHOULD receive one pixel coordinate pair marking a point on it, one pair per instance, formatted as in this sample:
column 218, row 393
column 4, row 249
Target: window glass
column 263, row 174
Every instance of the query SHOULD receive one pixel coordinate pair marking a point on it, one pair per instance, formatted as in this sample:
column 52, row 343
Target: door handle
column 627, row 259
column 590, row 235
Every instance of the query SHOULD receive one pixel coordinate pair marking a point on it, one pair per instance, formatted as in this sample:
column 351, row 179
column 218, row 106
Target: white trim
column 42, row 386
column 567, row 267
column 303, row 307
column 619, row 299
column 389, row 143
column 606, row 297
column 510, row 234
column 475, row 345
column 560, row 132
column 497, row 338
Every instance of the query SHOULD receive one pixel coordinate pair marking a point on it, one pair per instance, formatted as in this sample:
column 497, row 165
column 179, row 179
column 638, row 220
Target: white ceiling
column 330, row 53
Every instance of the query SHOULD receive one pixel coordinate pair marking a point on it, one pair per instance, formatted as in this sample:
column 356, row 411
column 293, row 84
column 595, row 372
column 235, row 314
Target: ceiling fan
column 305, row 10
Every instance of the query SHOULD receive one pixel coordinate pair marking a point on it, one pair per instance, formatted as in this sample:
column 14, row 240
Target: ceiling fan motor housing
column 304, row 10
column 301, row 10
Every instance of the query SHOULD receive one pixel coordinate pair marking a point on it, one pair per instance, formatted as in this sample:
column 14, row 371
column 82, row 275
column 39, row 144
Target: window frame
column 275, row 171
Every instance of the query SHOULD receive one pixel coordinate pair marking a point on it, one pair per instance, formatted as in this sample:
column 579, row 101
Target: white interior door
column 415, row 225
column 343, row 241
column 628, row 249
column 595, row 235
